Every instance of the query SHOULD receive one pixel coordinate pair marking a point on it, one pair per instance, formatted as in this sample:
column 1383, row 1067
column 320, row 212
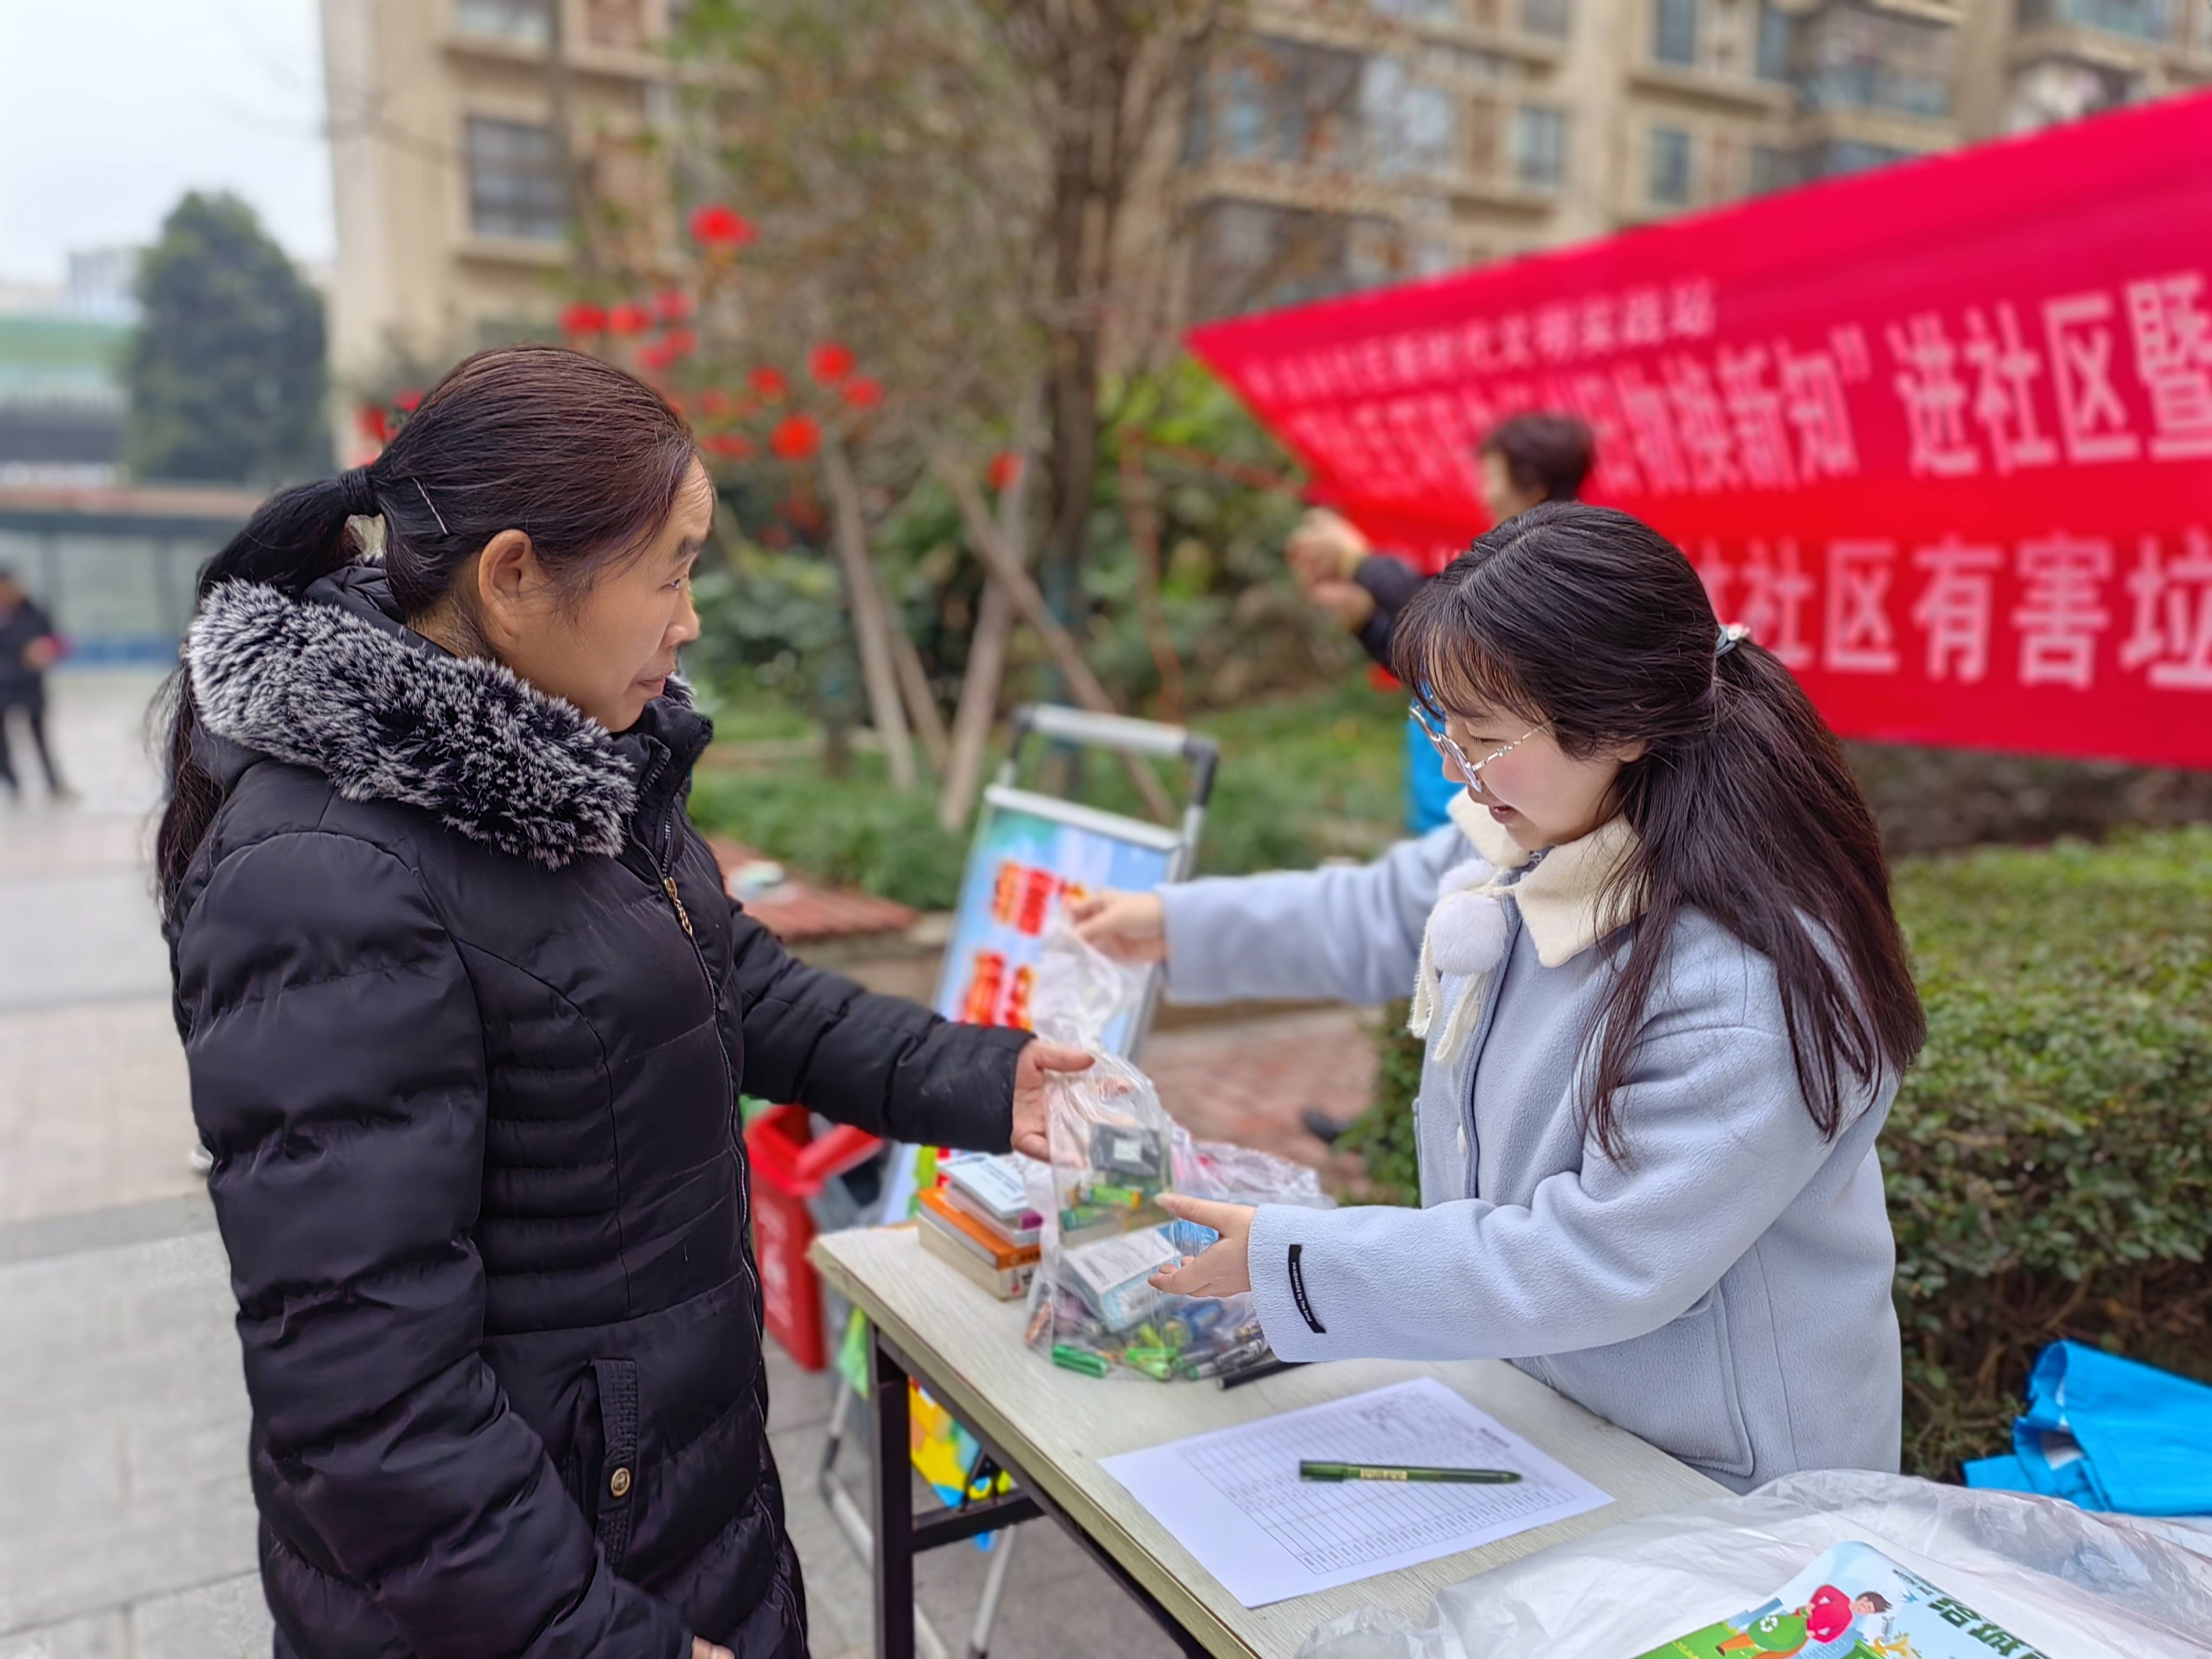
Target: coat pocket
column 618, row 1480
column 1677, row 1388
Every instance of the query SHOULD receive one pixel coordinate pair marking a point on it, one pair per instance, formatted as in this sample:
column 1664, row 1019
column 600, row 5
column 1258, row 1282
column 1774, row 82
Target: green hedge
column 2050, row 1159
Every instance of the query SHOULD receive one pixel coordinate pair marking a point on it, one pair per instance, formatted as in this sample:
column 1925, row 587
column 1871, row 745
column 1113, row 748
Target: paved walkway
column 126, row 1525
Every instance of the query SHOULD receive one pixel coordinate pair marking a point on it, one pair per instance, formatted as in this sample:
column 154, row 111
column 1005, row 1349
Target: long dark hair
column 1592, row 621
column 585, row 459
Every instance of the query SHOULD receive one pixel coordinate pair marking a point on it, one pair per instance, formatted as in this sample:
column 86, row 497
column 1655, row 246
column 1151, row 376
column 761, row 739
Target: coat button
column 618, row 1483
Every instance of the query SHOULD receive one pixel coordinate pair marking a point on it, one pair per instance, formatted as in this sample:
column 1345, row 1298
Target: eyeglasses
column 1433, row 727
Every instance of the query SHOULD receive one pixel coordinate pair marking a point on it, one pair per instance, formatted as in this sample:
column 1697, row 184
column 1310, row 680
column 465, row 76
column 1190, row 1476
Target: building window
column 619, row 24
column 1773, row 43
column 515, row 188
column 1541, row 147
column 1669, row 185
column 2142, row 20
column 1245, row 114
column 1839, row 156
column 525, row 22
column 1771, row 169
column 1552, row 19
column 1198, row 123
column 1674, row 35
column 1410, row 127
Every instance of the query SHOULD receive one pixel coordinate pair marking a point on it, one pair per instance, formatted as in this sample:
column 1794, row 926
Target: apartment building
column 1336, row 144
column 1347, row 143
column 463, row 134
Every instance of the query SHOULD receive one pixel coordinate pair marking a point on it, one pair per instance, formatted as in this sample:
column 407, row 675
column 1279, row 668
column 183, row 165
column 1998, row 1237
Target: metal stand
column 900, row 1534
column 928, row 1644
column 902, row 1629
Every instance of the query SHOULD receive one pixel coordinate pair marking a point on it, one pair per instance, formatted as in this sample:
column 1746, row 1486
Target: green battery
column 1120, row 1197
column 1157, row 1363
column 1077, row 1360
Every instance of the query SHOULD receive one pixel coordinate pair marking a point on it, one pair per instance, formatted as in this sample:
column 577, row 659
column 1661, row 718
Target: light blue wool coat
column 1723, row 1290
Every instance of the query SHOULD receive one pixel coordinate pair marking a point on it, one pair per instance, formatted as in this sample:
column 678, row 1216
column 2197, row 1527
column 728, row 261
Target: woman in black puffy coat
column 468, row 1014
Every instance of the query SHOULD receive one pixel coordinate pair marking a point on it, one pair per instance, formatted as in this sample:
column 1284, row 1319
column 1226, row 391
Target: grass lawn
column 1301, row 780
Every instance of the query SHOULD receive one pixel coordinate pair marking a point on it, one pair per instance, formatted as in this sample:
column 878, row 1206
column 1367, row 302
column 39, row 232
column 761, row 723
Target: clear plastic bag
column 2078, row 1585
column 1114, row 1150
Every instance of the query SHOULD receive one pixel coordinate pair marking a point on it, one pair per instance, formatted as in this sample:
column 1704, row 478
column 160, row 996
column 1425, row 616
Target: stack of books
column 979, row 1221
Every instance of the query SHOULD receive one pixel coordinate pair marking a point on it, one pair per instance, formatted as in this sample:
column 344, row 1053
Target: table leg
column 893, row 1504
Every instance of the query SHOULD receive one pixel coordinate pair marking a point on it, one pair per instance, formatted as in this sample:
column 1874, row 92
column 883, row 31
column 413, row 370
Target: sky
column 110, row 109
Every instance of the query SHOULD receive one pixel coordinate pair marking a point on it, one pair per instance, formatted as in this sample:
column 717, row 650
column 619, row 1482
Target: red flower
column 676, row 404
column 770, row 384
column 407, row 402
column 863, row 392
column 629, row 320
column 803, row 514
column 830, row 362
column 796, row 437
column 714, row 404
column 1005, row 466
column 731, row 445
column 717, row 226
column 374, row 422
column 672, row 304
column 654, row 355
column 580, row 319
column 679, row 342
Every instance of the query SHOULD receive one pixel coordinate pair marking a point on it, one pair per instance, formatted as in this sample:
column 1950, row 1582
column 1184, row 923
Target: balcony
column 2149, row 21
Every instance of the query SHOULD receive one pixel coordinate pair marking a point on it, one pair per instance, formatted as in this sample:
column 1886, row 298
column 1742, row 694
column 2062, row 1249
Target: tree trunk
column 979, row 706
column 1081, row 684
column 994, row 626
column 870, row 620
column 920, row 700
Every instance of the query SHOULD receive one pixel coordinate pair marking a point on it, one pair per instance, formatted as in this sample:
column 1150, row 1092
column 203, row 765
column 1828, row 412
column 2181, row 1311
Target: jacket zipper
column 659, row 858
column 1491, row 994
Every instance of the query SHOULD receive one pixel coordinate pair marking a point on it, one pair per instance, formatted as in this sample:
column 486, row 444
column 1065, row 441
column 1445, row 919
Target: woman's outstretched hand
column 1224, row 1268
column 1038, row 1061
column 702, row 1649
column 1126, row 927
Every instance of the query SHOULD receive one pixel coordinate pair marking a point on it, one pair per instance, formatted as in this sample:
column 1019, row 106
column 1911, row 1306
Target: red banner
column 1940, row 433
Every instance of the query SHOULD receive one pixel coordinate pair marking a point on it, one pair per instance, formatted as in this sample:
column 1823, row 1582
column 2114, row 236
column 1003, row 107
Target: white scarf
column 1563, row 902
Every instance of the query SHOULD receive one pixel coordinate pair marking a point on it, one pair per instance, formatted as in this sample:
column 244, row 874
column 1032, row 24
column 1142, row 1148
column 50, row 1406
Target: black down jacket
column 467, row 1013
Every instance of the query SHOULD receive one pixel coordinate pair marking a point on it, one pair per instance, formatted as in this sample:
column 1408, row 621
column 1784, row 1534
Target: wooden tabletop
column 1056, row 1425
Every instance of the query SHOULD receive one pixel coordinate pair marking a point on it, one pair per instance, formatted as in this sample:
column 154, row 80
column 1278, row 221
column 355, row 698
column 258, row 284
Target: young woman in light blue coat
column 1666, row 1006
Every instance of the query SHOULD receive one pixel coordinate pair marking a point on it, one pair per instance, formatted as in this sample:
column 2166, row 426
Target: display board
column 1032, row 855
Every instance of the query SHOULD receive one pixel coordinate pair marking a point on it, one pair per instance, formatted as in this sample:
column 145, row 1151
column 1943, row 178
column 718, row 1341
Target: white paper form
column 1233, row 1497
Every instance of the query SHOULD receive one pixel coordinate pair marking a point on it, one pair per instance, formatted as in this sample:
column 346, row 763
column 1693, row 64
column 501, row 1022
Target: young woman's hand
column 1126, row 927
column 1036, row 1060
column 1225, row 1267
column 702, row 1649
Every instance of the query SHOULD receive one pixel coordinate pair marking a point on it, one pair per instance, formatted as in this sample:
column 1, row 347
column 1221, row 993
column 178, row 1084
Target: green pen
column 1405, row 1472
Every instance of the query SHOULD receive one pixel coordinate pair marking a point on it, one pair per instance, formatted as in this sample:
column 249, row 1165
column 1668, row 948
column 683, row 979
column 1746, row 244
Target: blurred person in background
column 467, row 1011
column 1527, row 460
column 28, row 647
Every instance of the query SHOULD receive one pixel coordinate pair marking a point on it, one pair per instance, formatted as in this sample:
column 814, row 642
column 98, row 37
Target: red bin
column 789, row 1167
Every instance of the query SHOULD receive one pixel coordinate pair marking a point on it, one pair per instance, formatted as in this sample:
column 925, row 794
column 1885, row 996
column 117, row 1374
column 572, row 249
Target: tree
column 227, row 373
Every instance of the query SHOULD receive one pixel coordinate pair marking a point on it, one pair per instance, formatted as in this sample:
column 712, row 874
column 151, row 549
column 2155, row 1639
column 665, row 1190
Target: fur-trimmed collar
column 334, row 685
column 1563, row 900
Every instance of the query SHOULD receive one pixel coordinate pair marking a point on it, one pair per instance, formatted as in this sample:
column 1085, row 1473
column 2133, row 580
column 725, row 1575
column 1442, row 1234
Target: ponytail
column 1744, row 810
column 294, row 540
